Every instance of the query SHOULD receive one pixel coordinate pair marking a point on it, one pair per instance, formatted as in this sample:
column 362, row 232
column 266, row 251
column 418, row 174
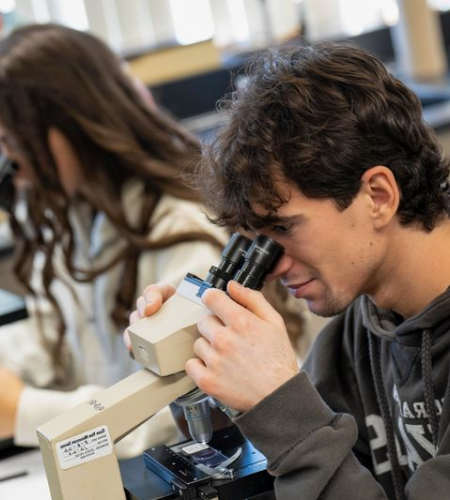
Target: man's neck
column 416, row 269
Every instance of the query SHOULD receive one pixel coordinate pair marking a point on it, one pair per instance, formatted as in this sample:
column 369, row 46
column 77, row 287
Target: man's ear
column 380, row 185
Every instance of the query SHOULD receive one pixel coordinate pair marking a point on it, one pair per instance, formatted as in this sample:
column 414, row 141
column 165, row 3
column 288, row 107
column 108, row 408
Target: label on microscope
column 90, row 445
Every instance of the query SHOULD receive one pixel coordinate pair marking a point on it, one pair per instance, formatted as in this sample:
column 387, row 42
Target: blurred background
column 190, row 53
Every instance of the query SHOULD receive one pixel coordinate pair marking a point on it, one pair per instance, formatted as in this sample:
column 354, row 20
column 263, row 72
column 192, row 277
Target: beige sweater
column 95, row 354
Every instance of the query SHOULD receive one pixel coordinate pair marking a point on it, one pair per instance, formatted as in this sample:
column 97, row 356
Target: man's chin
column 324, row 310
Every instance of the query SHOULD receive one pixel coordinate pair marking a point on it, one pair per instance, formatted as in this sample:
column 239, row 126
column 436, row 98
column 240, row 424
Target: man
column 326, row 152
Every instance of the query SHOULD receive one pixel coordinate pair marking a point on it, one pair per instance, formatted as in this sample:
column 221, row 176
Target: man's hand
column 149, row 303
column 244, row 353
column 11, row 389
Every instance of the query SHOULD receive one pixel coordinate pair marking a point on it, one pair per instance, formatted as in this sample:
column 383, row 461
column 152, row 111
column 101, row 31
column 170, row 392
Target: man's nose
column 281, row 268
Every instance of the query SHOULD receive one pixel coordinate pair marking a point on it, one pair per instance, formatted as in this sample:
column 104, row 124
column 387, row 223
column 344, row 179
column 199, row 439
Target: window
column 72, row 13
column 334, row 18
column 192, row 20
column 442, row 5
column 133, row 24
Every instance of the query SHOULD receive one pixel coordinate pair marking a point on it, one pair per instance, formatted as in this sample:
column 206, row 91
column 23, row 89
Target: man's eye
column 281, row 229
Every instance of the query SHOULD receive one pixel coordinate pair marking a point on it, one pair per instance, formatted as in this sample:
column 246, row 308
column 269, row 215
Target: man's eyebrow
column 271, row 219
column 290, row 218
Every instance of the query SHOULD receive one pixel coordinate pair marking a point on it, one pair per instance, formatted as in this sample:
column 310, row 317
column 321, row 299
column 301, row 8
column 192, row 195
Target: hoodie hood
column 420, row 341
column 388, row 325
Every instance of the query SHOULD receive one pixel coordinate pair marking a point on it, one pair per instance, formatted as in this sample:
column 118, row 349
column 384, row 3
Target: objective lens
column 198, row 417
column 232, row 259
column 197, row 413
column 260, row 259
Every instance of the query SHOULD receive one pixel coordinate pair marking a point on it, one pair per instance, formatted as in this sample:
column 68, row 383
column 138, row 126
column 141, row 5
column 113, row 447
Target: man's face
column 331, row 256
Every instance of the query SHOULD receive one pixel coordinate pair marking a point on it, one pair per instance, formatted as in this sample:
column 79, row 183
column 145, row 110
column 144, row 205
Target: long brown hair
column 56, row 77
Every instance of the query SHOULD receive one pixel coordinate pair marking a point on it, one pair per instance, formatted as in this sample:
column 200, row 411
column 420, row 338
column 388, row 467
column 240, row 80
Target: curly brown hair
column 320, row 116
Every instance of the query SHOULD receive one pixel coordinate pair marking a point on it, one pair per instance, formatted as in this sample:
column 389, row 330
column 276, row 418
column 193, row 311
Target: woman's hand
column 11, row 389
column 149, row 303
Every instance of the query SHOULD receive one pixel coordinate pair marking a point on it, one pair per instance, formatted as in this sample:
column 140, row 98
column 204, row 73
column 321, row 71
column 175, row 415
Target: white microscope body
column 78, row 445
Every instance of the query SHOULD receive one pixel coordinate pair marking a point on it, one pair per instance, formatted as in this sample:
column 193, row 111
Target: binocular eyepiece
column 245, row 261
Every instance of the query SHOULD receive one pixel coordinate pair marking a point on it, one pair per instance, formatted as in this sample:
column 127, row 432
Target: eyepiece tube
column 260, row 259
column 232, row 259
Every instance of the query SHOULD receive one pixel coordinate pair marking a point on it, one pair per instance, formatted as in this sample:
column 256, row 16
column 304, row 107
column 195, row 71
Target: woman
column 100, row 211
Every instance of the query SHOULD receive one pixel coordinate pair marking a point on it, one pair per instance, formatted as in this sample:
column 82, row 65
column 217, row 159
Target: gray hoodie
column 367, row 417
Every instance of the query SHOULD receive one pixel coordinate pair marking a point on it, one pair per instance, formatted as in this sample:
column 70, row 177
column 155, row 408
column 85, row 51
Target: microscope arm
column 77, row 446
column 79, row 459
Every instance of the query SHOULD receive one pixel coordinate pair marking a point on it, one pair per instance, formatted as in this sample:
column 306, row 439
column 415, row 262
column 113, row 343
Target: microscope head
column 163, row 343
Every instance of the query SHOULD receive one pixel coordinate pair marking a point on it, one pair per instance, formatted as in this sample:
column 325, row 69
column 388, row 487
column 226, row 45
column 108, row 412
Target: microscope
column 78, row 446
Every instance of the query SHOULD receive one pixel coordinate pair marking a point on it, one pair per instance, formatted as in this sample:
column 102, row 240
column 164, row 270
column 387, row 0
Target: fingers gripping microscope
column 77, row 446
